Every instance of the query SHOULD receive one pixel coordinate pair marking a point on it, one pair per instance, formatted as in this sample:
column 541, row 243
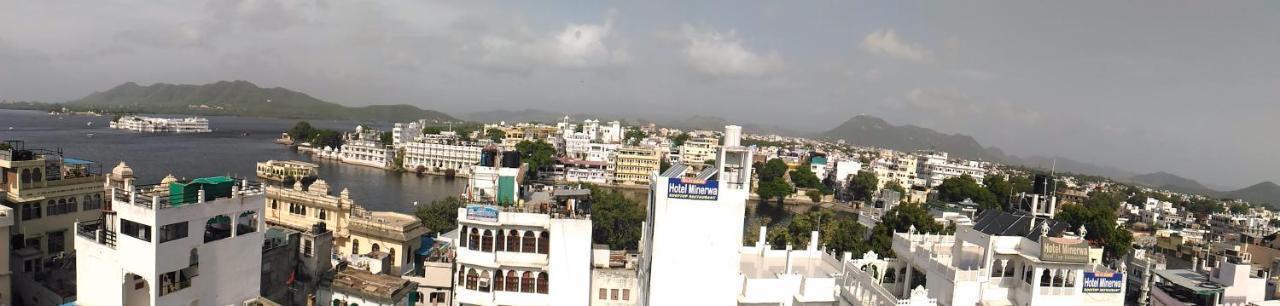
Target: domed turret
column 319, row 186
column 168, row 179
column 122, row 171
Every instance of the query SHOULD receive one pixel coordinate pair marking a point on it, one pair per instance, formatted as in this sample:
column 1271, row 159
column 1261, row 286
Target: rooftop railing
column 96, row 231
column 155, row 195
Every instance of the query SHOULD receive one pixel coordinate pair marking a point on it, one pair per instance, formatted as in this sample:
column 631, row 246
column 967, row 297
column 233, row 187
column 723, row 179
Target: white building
column 1233, row 282
column 933, row 167
column 365, row 148
column 154, row 124
column 699, row 149
column 6, row 289
column 692, row 237
column 789, row 277
column 613, row 277
column 182, row 243
column 441, row 155
column 845, row 169
column 611, row 132
column 513, row 255
column 354, row 287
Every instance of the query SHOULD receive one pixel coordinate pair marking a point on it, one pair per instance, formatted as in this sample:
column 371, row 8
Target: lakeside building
column 6, row 276
column 195, row 242
column 693, row 233
column 634, row 164
column 365, row 147
column 440, row 154
column 286, row 170
column 156, row 124
column 48, row 192
column 356, row 231
column 934, row 166
column 523, row 255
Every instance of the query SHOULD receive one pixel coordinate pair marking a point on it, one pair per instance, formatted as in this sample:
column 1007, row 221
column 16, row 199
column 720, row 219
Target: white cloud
column 576, row 46
column 949, row 104
column 723, row 54
column 886, row 43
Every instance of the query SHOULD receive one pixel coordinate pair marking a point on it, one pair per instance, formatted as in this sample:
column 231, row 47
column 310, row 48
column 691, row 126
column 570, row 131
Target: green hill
column 242, row 98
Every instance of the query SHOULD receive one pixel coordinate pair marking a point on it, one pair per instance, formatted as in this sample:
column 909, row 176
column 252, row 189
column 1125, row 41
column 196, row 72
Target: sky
column 1187, row 87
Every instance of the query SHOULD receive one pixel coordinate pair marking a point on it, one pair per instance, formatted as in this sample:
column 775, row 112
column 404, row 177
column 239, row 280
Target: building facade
column 634, row 164
column 48, row 193
column 523, row 256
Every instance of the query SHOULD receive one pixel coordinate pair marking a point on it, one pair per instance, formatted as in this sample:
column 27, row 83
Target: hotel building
column 153, row 124
column 690, row 245
column 364, row 147
column 521, row 255
column 285, row 170
column 196, row 242
column 441, row 154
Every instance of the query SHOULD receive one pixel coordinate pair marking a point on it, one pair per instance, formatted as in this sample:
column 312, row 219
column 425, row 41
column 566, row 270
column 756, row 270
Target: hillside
column 242, row 98
column 1260, row 193
column 873, row 131
column 1172, row 182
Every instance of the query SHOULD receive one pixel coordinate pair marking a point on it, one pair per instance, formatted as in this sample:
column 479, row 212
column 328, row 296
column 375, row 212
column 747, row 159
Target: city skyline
column 1174, row 87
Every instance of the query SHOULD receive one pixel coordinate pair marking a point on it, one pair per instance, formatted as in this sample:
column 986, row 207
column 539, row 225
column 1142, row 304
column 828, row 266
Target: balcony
column 95, row 231
column 521, row 259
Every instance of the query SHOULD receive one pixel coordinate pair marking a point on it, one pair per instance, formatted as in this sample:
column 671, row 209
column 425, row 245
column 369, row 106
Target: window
column 613, row 294
column 93, row 202
column 472, row 279
column 484, row 281
column 391, row 253
column 136, row 230
column 275, row 205
column 463, row 238
column 544, row 242
column 626, row 294
column 486, row 241
column 217, row 228
column 376, row 248
column 473, row 239
column 501, row 243
column 306, row 248
column 513, row 282
column 57, row 241
column 497, row 281
column 31, row 211
column 323, row 216
column 355, row 246
column 247, row 222
column 603, row 293
column 513, row 241
column 526, row 282
column 530, row 242
column 542, row 282
column 173, row 231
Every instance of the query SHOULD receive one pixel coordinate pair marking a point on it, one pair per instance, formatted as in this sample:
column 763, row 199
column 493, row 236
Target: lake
column 234, row 148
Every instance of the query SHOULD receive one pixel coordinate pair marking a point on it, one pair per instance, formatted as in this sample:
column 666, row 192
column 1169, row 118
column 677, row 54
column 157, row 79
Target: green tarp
column 189, row 192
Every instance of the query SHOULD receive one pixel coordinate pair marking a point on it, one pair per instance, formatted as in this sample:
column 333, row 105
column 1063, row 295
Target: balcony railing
column 97, row 232
column 154, row 195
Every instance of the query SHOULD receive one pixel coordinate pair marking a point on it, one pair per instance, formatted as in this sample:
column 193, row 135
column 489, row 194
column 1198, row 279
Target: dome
column 122, row 171
column 168, row 179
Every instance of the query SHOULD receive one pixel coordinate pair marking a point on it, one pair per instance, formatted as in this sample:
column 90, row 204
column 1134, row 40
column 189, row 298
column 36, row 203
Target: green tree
column 538, row 154
column 959, row 188
column 302, row 131
column 837, row 232
column 893, row 185
column 900, row 219
column 680, row 139
column 634, row 135
column 772, row 189
column 773, row 169
column 1239, row 208
column 804, row 177
column 663, row 165
column 1098, row 215
column 863, row 185
column 326, row 138
column 431, row 130
column 615, row 220
column 495, row 134
column 385, row 137
column 441, row 215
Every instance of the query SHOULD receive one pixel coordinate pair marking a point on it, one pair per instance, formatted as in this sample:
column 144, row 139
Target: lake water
column 234, row 148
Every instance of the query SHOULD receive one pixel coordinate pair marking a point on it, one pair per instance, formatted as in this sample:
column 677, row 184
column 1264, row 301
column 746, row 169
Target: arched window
column 472, row 279
column 194, row 259
column 36, row 177
column 530, row 242
column 544, row 242
column 336, row 302
column 484, row 281
column 355, row 246
column 26, row 176
column 497, row 280
column 274, row 206
column 462, row 277
column 1008, row 269
column 464, row 237
column 996, row 269
column 486, row 241
column 323, row 216
column 513, row 282
column 391, row 253
column 1045, row 278
column 526, row 282
column 501, row 243
column 891, row 277
column 217, row 228
column 247, row 222
column 542, row 282
column 513, row 241
column 1071, row 278
column 473, row 239
column 375, row 248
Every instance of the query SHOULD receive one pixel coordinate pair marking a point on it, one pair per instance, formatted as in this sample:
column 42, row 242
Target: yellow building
column 48, row 193
column 356, row 231
column 633, row 164
column 699, row 149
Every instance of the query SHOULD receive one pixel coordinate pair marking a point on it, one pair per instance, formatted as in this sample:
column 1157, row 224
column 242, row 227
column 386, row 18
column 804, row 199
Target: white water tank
column 732, row 135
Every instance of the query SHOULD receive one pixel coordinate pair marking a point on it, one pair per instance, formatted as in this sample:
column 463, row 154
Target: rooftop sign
column 1103, row 282
column 1064, row 250
column 703, row 190
column 481, row 212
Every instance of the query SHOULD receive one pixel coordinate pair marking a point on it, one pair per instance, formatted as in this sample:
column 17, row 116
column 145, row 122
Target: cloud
column 886, row 43
column 950, row 104
column 576, row 46
column 723, row 54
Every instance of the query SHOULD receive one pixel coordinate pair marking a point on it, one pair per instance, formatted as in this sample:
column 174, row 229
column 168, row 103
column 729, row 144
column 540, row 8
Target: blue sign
column 1103, row 282
column 480, row 212
column 702, row 190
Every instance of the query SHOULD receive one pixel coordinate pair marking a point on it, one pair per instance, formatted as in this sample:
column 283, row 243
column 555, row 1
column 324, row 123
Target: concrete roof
column 769, row 266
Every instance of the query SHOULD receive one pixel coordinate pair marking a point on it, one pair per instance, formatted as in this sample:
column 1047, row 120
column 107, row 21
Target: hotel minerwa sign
column 1064, row 250
column 704, row 190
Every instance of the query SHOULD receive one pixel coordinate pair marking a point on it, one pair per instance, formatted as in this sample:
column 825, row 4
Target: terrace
column 194, row 192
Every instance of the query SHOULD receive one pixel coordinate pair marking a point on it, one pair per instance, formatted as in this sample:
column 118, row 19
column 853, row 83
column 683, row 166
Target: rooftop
column 774, row 262
column 375, row 287
column 1000, row 223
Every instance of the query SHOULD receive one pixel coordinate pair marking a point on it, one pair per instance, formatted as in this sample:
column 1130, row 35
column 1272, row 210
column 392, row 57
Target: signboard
column 703, row 190
column 484, row 213
column 1103, row 282
column 1064, row 250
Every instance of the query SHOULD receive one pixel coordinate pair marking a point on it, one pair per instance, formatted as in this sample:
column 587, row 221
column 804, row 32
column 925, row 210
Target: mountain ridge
column 243, row 98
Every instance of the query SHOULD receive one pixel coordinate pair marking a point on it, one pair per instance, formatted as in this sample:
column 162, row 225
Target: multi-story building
column 613, row 277
column 496, row 178
column 365, row 147
column 634, row 164
column 442, row 155
column 581, row 171
column 48, row 193
column 353, row 287
column 932, row 167
column 523, row 255
column 896, row 167
column 153, row 124
column 6, row 282
column 612, row 132
column 434, row 270
column 285, row 170
column 699, row 149
column 356, row 231
column 196, row 242
column 693, row 233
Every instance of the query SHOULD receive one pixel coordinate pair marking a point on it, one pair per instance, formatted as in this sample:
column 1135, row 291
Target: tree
column 385, row 137
column 680, row 139
column 663, row 165
column 777, row 188
column 431, row 130
column 301, row 131
column 441, row 215
column 959, row 188
column 814, row 195
column 326, row 138
column 901, row 219
column 495, row 134
column 1239, row 208
column 1098, row 215
column 837, row 232
column 804, row 177
column 615, row 220
column 863, row 185
column 893, row 185
column 538, row 154
column 772, row 170
column 634, row 135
